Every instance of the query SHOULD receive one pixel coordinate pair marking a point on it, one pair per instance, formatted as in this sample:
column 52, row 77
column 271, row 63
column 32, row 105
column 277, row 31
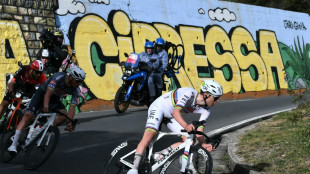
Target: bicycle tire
column 202, row 162
column 119, row 104
column 114, row 165
column 6, row 142
column 37, row 155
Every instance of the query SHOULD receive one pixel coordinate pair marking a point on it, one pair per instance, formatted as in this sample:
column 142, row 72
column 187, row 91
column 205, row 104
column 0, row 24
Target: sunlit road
column 85, row 150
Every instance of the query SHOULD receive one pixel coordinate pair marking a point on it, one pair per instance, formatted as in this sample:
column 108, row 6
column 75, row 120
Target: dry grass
column 279, row 145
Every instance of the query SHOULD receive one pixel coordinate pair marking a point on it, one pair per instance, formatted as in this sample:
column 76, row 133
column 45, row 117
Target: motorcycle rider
column 24, row 80
column 48, row 95
column 152, row 59
column 163, row 57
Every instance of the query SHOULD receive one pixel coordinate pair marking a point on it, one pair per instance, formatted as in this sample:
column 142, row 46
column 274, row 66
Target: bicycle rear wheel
column 201, row 162
column 6, row 142
column 114, row 165
column 37, row 155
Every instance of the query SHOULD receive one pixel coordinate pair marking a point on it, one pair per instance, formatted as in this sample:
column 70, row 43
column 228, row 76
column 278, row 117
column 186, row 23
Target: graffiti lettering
column 11, row 35
column 294, row 25
column 236, row 61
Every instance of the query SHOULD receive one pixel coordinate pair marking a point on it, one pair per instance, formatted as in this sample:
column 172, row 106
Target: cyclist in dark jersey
column 24, row 80
column 48, row 95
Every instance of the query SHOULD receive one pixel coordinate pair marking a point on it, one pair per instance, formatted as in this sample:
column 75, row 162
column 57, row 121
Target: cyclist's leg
column 155, row 116
column 174, row 126
column 35, row 103
column 5, row 102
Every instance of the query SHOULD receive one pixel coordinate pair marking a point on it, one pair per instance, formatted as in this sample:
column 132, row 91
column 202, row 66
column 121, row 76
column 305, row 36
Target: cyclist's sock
column 16, row 137
column 137, row 160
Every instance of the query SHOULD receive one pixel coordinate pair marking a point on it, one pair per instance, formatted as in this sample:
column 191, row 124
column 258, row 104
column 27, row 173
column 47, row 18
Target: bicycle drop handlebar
column 215, row 142
column 74, row 121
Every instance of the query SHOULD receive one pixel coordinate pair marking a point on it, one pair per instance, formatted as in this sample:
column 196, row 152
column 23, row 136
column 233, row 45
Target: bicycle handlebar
column 215, row 142
column 74, row 121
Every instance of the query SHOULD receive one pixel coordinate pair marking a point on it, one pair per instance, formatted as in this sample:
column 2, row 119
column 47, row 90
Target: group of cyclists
column 44, row 74
column 53, row 84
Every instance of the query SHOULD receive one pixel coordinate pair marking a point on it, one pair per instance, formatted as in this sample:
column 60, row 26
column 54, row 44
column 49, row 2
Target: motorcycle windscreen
column 132, row 61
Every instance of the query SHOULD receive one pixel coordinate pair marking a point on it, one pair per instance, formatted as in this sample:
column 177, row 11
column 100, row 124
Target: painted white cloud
column 70, row 6
column 107, row 2
column 201, row 11
column 222, row 14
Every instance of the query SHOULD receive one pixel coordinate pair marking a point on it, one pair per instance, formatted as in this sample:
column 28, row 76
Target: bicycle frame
column 20, row 101
column 185, row 145
column 31, row 135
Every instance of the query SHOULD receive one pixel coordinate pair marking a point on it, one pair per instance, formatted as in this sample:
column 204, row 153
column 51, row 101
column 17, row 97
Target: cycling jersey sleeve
column 42, row 78
column 204, row 114
column 75, row 96
column 182, row 99
column 19, row 72
column 54, row 81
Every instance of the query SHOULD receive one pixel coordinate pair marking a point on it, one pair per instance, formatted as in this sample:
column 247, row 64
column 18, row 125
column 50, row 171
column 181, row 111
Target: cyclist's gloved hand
column 208, row 147
column 45, row 108
column 190, row 128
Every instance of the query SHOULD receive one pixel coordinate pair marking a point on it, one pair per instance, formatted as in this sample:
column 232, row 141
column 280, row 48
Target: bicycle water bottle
column 36, row 131
column 30, row 132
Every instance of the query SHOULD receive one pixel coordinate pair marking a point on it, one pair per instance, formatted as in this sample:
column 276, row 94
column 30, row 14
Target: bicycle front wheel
column 6, row 141
column 36, row 154
column 114, row 165
column 199, row 161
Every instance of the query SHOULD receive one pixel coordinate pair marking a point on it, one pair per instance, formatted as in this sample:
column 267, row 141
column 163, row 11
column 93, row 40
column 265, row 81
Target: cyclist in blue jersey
column 48, row 95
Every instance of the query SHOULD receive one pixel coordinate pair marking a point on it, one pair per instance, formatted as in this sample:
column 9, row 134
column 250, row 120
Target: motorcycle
column 134, row 90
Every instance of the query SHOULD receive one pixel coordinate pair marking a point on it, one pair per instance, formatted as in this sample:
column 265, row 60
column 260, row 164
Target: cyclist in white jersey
column 171, row 105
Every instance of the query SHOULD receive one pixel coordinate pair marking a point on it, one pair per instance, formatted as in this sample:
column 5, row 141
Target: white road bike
column 38, row 140
column 186, row 158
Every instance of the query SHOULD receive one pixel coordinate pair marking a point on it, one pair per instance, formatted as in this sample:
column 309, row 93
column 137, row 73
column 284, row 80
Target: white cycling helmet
column 77, row 73
column 213, row 87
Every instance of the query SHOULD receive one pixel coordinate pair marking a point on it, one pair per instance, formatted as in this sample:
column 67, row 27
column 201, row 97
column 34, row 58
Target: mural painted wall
column 245, row 48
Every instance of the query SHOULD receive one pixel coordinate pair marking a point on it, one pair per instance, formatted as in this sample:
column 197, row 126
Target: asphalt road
column 86, row 150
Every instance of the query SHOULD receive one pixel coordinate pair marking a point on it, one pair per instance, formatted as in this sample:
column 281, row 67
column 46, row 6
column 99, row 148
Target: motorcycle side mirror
column 153, row 60
column 19, row 64
column 125, row 54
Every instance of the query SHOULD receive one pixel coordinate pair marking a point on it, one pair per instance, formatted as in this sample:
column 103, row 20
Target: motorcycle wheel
column 119, row 104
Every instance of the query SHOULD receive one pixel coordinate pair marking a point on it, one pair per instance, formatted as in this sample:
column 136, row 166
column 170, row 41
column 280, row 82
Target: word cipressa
column 294, row 25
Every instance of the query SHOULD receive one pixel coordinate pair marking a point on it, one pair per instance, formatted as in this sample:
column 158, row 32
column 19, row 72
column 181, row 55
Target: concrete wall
column 245, row 48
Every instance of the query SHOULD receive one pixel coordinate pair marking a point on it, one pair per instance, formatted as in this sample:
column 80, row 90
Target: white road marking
column 226, row 128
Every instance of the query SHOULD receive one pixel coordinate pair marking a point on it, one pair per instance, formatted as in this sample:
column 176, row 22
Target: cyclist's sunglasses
column 216, row 98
